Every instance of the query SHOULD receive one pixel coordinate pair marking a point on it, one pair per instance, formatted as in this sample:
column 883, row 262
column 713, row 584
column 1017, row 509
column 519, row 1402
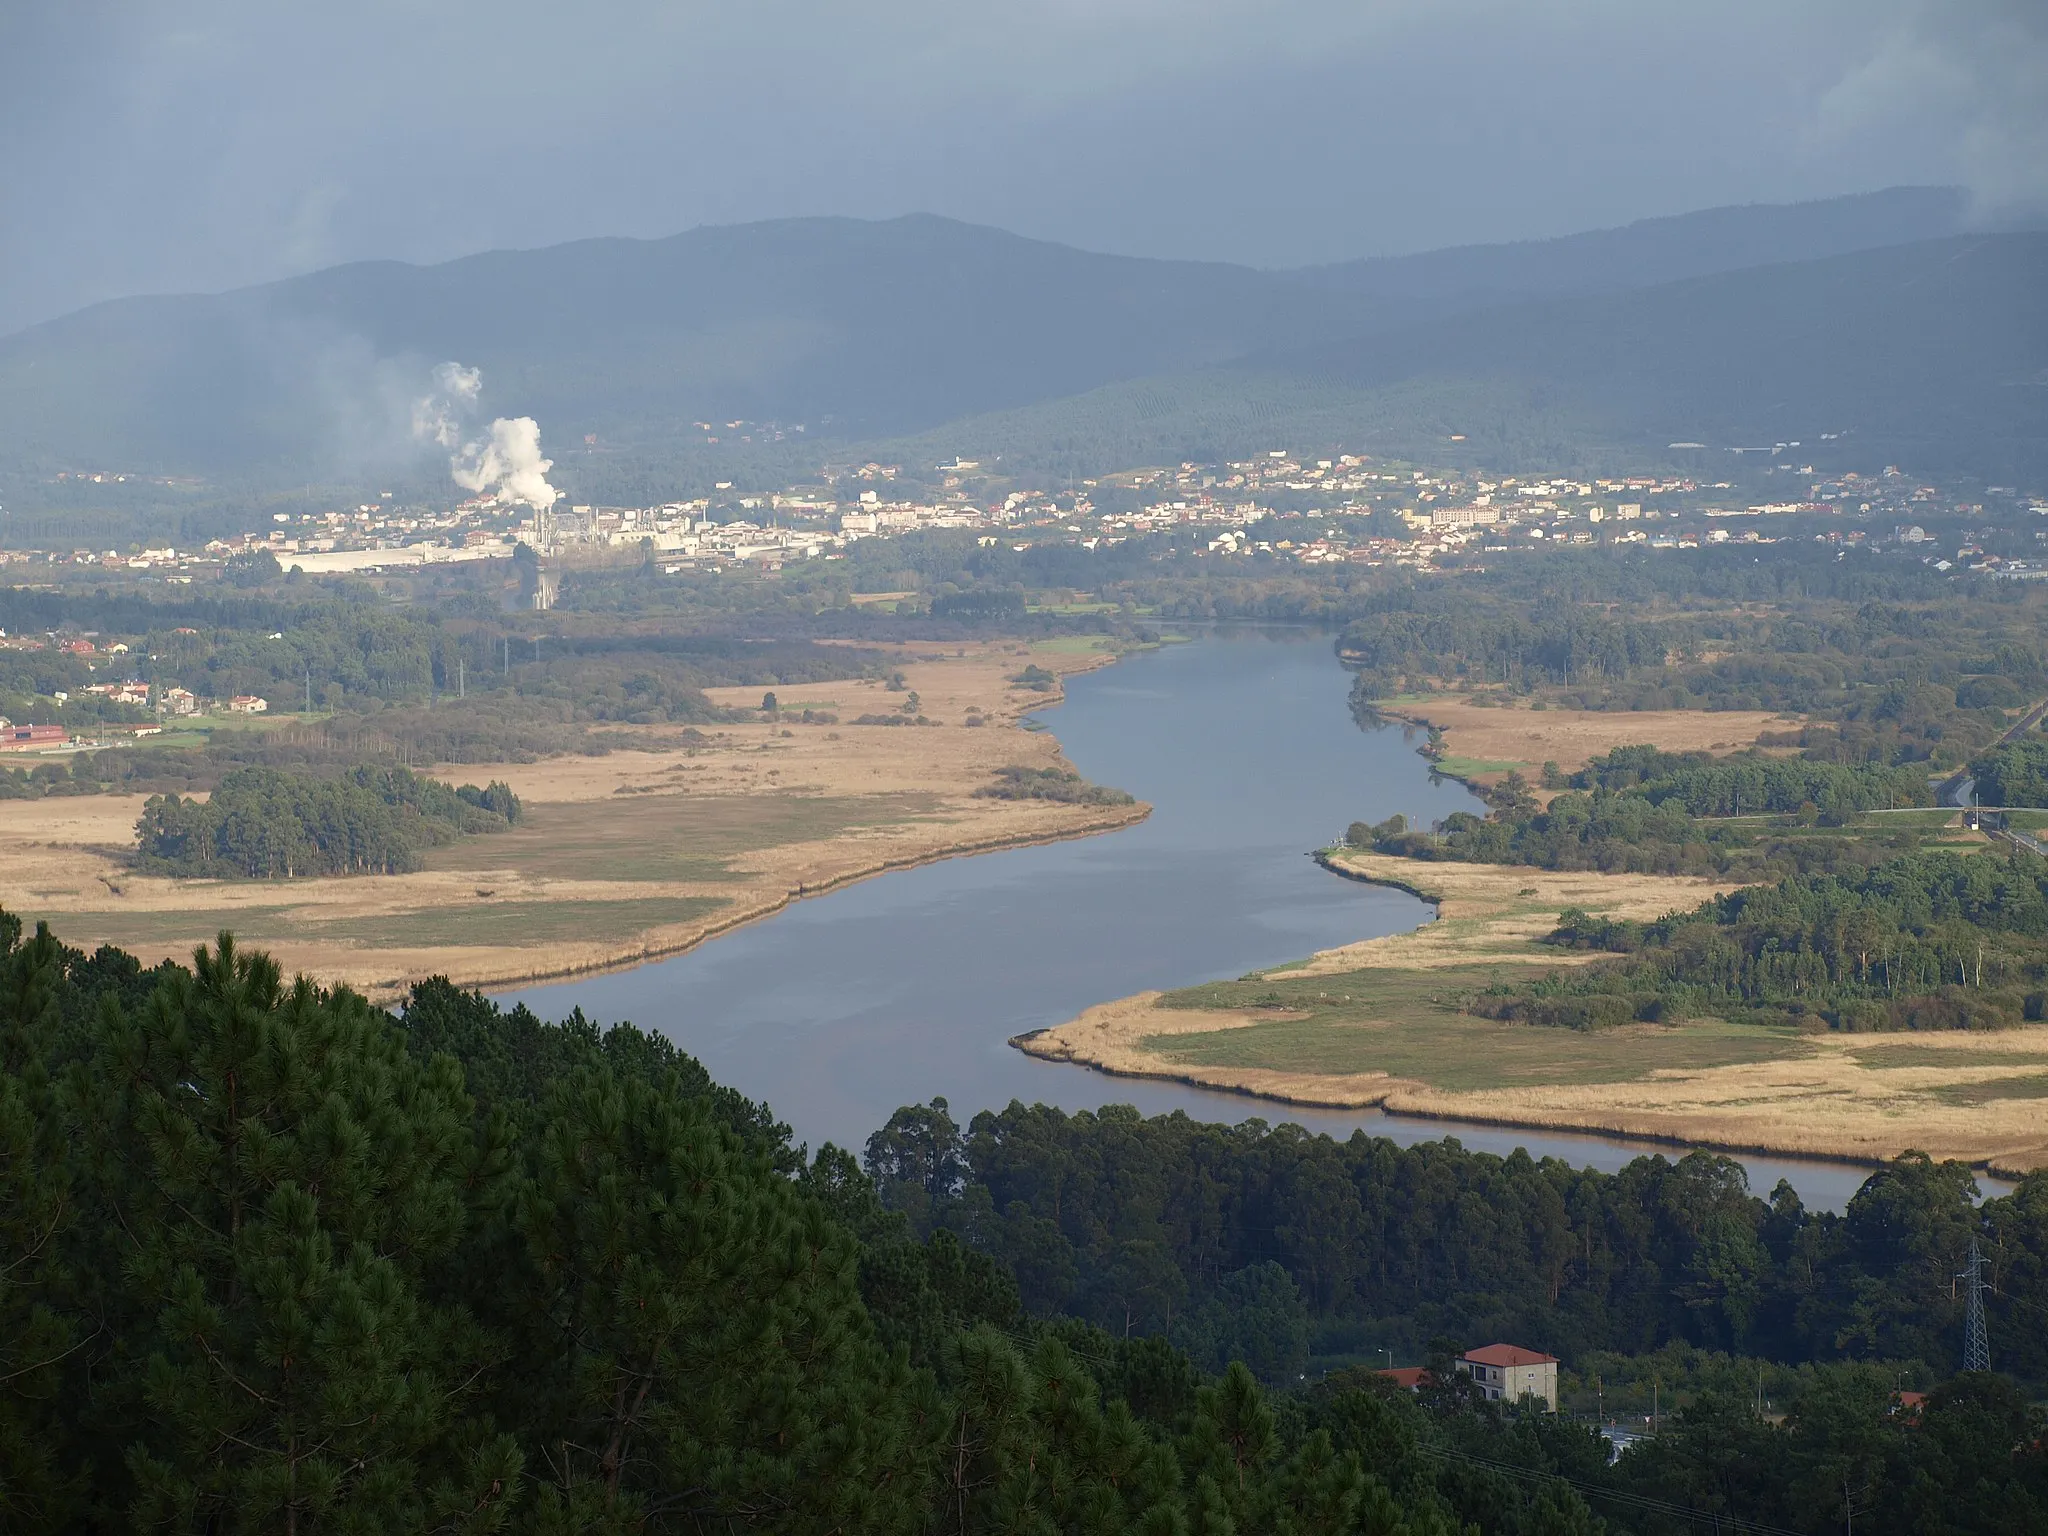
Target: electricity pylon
column 1976, row 1337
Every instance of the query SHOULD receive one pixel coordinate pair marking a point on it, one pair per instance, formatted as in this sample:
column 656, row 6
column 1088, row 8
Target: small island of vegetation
column 266, row 824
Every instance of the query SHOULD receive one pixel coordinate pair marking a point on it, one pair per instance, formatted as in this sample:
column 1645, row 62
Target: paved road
column 1958, row 788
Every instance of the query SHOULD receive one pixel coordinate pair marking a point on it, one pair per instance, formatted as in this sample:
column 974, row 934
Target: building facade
column 1507, row 1372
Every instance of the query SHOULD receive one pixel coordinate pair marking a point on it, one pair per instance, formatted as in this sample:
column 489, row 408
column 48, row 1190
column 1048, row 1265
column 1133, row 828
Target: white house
column 1506, row 1372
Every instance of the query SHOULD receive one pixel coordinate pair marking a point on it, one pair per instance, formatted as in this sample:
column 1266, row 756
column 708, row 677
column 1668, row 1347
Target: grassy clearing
column 671, row 837
column 1465, row 767
column 2032, row 1086
column 1349, row 996
column 146, row 930
column 514, row 922
column 1408, row 1024
column 1880, row 1058
column 1075, row 645
column 1921, row 819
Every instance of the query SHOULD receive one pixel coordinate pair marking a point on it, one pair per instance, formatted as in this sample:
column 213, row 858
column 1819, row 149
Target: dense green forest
column 278, row 1260
column 2013, row 773
column 1932, row 940
column 1883, row 681
column 1638, row 810
column 265, row 824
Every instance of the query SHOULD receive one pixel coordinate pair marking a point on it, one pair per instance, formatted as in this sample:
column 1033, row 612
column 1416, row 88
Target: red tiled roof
column 1508, row 1355
column 1410, row 1376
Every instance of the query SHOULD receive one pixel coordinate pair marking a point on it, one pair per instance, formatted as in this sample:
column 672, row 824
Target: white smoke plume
column 437, row 416
column 504, row 462
column 507, row 463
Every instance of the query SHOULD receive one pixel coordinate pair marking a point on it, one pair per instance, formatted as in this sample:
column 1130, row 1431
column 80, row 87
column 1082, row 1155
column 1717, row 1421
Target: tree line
column 266, row 824
column 1639, row 810
column 2013, row 773
column 1928, row 941
column 277, row 1260
column 1920, row 674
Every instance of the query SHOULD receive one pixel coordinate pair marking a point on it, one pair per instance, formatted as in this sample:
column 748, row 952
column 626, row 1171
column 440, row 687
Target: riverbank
column 1378, row 1024
column 621, row 859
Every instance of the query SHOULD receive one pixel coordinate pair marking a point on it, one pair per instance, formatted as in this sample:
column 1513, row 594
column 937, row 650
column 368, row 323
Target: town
column 1290, row 509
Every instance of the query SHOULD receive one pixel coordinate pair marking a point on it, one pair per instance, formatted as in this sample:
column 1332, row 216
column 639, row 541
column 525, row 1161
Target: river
column 908, row 987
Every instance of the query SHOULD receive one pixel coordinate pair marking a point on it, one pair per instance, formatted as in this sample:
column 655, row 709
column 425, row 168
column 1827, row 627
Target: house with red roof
column 1507, row 1372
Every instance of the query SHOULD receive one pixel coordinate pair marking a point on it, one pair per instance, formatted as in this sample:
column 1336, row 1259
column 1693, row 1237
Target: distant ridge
column 864, row 331
column 1933, row 355
column 1652, row 251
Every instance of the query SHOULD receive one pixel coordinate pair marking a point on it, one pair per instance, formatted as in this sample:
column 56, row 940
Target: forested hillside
column 278, row 1260
column 1925, row 355
column 844, row 327
column 789, row 340
column 1651, row 251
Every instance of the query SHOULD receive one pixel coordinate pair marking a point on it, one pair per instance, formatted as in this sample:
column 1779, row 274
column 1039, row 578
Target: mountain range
column 1870, row 316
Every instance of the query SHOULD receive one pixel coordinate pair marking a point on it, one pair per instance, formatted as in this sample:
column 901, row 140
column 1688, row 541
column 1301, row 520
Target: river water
column 908, row 987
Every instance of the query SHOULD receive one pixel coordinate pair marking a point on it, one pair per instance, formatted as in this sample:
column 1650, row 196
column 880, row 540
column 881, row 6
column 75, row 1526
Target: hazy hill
column 1933, row 354
column 860, row 327
column 1650, row 251
column 866, row 330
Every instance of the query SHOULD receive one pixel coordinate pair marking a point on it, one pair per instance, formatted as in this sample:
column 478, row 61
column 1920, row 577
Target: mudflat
column 621, row 858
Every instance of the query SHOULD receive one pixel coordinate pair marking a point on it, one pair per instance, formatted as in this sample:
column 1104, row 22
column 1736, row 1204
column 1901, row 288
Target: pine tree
column 40, row 1478
column 280, row 1176
column 693, row 1350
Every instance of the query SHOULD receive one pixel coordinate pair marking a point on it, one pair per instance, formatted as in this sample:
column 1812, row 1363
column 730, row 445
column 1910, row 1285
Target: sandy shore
column 1980, row 1098
column 620, row 859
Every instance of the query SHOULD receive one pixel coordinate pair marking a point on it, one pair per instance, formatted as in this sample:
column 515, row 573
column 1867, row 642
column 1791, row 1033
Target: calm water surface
column 906, row 987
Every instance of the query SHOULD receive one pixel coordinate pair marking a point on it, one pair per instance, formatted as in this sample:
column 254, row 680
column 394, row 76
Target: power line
column 1976, row 1335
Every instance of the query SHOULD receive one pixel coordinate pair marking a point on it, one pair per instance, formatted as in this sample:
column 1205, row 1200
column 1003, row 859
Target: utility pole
column 461, row 680
column 1976, row 1336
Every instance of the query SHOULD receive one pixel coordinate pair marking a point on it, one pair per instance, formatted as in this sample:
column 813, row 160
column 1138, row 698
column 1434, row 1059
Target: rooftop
column 1508, row 1355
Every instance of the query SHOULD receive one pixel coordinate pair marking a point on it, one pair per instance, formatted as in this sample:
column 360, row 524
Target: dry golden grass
column 661, row 849
column 1483, row 915
column 1569, row 737
column 1979, row 1097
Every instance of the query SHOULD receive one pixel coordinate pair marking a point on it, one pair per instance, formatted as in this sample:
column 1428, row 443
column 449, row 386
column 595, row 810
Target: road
column 1958, row 788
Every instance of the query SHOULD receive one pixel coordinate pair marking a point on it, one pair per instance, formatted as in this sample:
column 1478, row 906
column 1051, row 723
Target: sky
column 178, row 145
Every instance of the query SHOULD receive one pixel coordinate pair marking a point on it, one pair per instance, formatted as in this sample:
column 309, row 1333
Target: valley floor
column 1376, row 1024
column 617, row 859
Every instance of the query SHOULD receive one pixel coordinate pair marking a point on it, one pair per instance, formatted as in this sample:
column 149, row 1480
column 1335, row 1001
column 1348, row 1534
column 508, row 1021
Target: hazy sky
column 148, row 145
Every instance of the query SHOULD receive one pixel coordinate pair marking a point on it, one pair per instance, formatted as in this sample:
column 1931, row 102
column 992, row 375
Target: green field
column 1408, row 1023
column 151, row 930
column 484, row 923
column 1465, row 767
column 514, row 922
column 670, row 837
column 2032, row 1086
column 1881, row 1058
column 1076, row 645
